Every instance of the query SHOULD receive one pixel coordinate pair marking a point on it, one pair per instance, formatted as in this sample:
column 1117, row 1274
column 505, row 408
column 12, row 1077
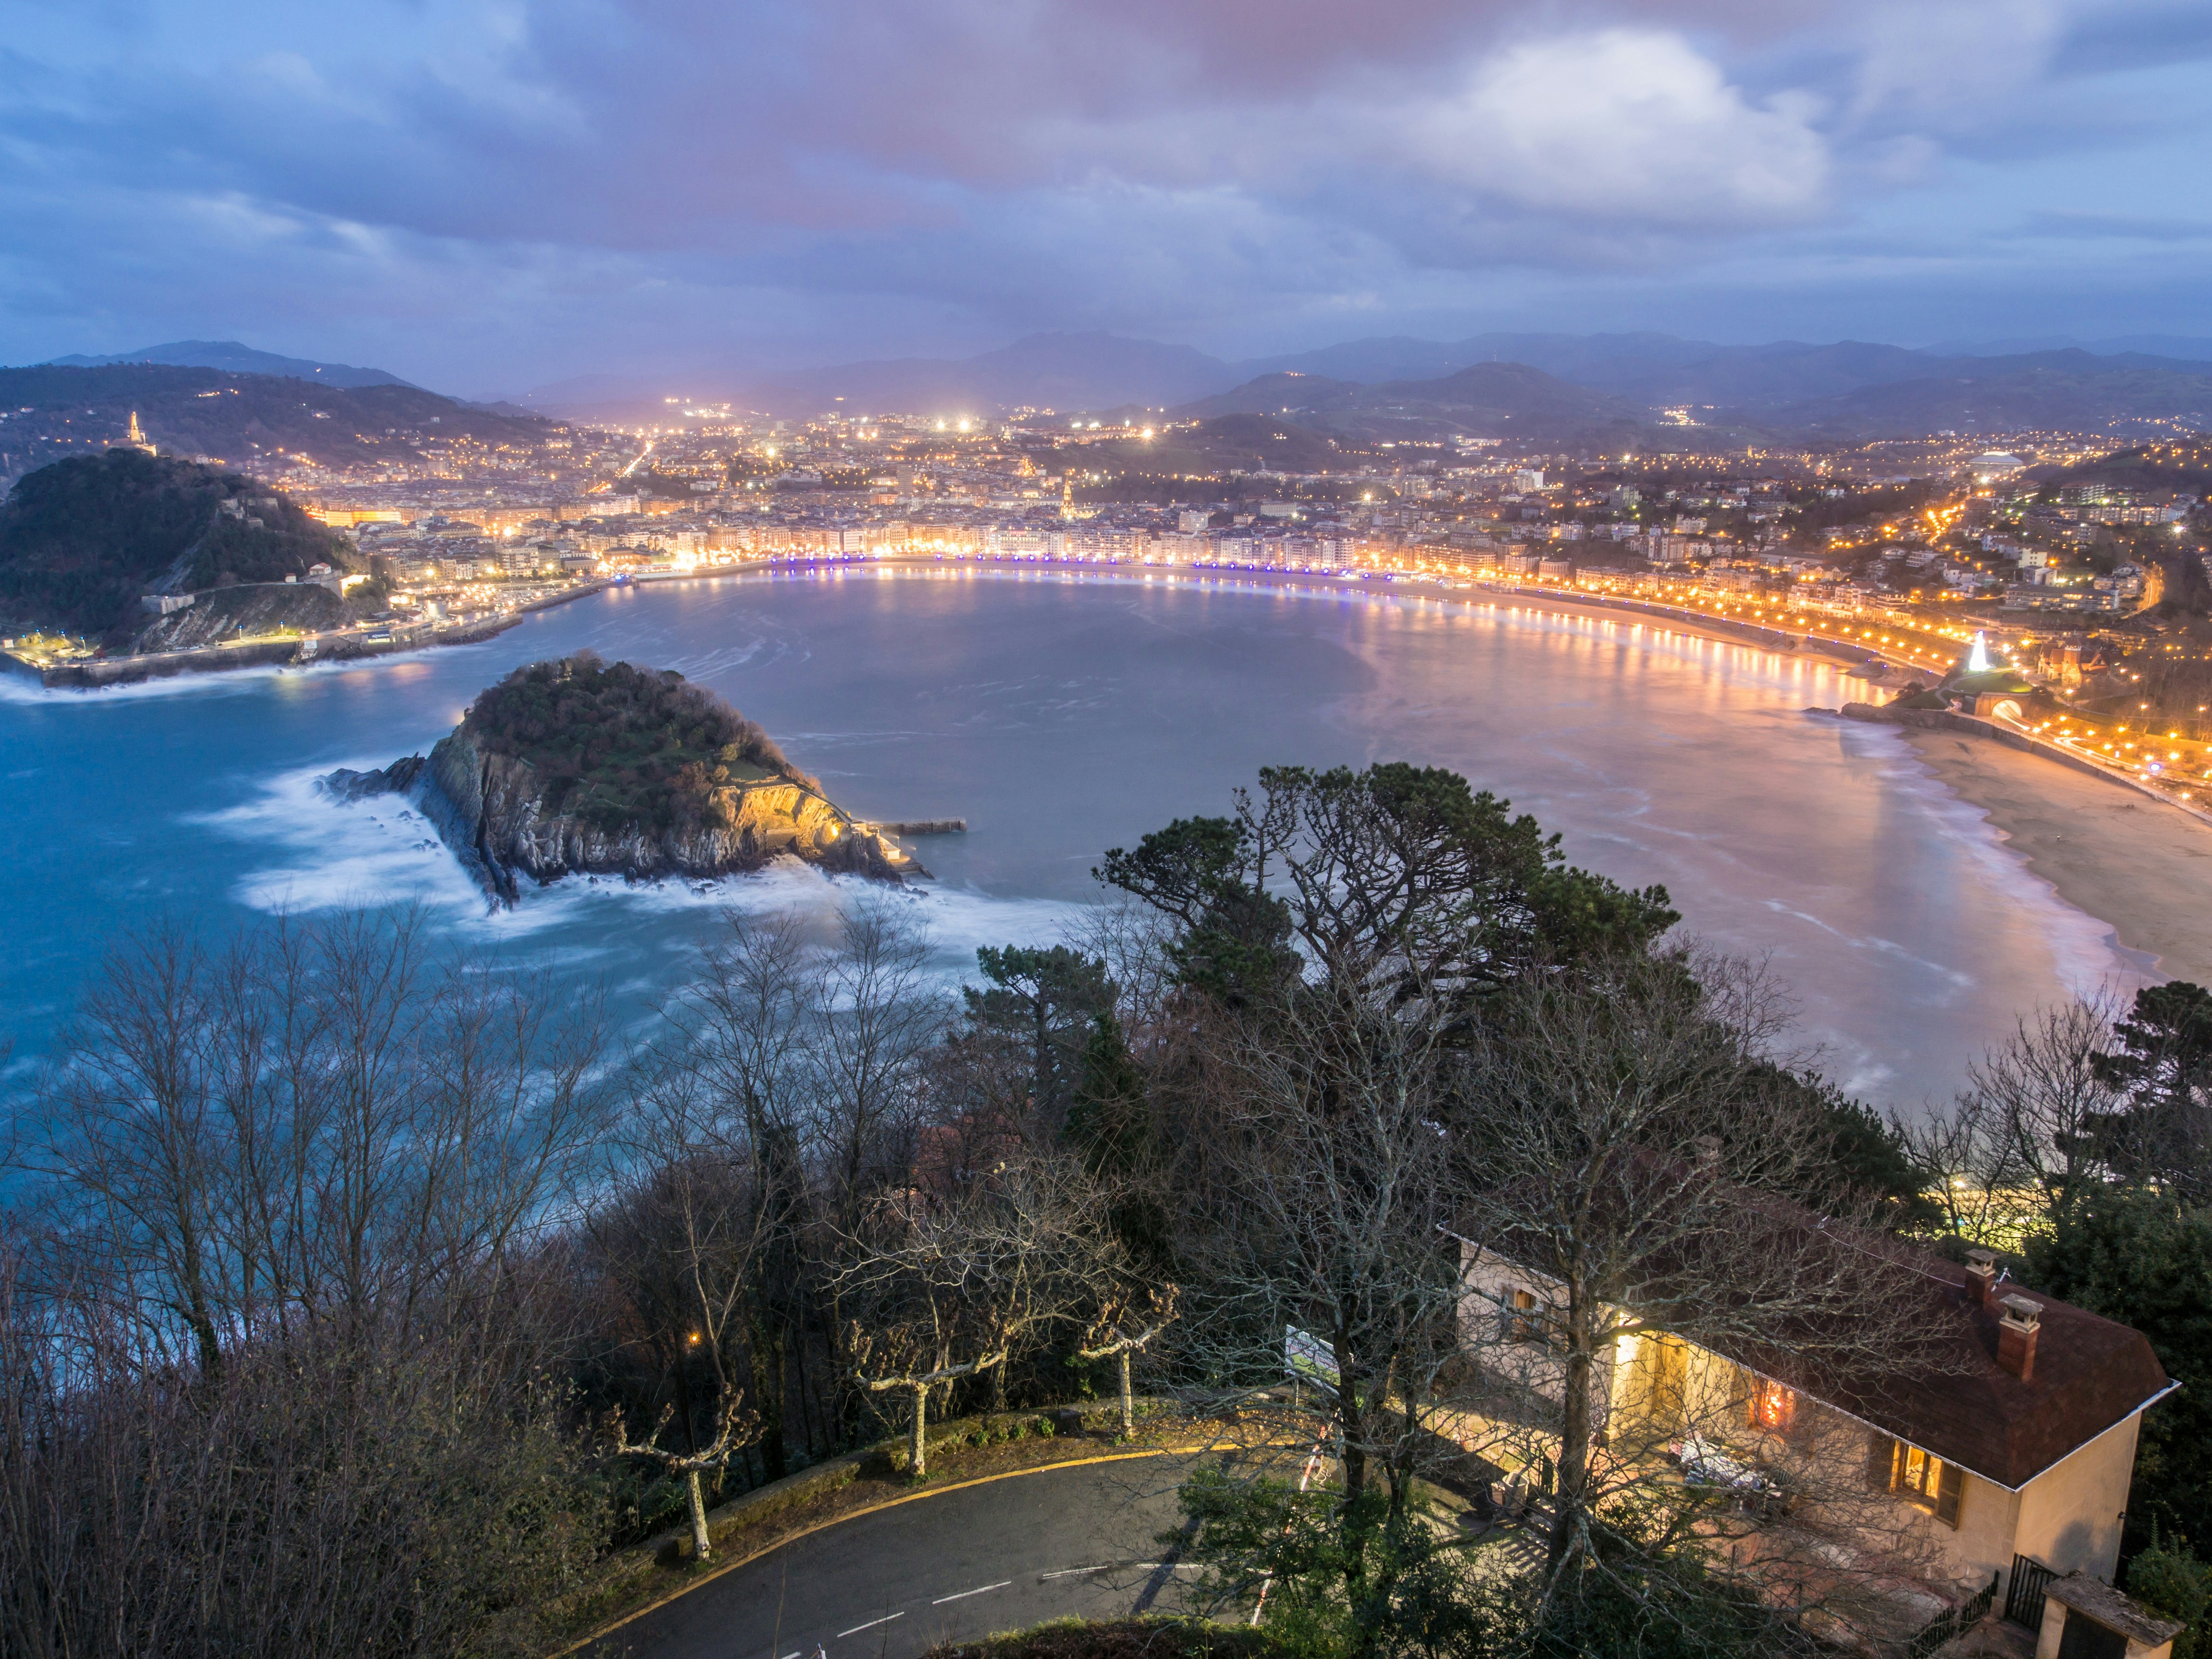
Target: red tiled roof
column 2089, row 1374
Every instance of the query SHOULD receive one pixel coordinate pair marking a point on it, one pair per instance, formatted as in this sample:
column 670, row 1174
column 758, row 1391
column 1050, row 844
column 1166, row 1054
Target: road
column 1078, row 1541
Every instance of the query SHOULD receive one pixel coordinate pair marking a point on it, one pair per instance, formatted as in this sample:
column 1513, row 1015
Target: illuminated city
column 1211, row 831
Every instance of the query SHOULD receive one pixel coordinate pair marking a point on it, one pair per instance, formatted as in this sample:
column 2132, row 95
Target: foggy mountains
column 1555, row 383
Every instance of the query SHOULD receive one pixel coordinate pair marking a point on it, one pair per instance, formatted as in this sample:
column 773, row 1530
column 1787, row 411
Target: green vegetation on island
column 617, row 745
column 80, row 540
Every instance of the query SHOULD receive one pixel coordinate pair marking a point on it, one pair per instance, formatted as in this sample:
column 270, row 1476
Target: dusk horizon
column 502, row 197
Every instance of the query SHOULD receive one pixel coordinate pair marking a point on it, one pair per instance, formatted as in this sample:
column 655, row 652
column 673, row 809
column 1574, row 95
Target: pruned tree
column 884, row 1362
column 1121, row 1330
column 733, row 1427
column 953, row 1278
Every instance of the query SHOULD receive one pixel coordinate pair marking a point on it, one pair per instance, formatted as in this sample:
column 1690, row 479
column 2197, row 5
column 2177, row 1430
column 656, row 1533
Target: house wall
column 2068, row 1517
column 2071, row 1514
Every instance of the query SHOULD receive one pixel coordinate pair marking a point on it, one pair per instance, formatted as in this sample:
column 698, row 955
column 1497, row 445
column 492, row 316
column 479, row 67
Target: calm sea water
column 1062, row 714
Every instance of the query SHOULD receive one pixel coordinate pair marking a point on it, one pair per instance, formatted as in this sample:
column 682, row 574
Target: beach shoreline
column 2139, row 865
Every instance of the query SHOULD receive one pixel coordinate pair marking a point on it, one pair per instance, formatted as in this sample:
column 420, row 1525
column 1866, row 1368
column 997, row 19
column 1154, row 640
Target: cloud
column 1629, row 125
column 530, row 182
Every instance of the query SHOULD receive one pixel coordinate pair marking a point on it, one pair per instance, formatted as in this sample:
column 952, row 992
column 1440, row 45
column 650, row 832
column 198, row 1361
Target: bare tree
column 733, row 1427
column 2023, row 1140
column 950, row 1281
column 890, row 1355
column 1634, row 1196
column 1113, row 1338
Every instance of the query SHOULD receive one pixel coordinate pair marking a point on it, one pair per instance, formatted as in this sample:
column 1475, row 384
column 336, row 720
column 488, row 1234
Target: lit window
column 1772, row 1405
column 1920, row 1478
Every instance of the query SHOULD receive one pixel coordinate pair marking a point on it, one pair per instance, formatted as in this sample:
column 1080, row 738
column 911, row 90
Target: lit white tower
column 1978, row 660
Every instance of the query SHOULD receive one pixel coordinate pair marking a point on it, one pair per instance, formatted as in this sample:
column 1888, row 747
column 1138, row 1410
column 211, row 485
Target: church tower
column 137, row 438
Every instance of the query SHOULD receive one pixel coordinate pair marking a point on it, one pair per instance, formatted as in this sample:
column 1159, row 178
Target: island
column 577, row 766
column 128, row 565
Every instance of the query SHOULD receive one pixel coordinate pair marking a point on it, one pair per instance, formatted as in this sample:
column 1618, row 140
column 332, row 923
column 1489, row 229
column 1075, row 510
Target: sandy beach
column 2143, row 868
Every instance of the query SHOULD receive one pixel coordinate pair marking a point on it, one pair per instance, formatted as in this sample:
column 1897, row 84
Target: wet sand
column 2144, row 869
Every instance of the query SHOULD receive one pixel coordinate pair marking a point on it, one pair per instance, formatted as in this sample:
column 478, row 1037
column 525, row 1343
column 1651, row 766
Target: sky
column 487, row 197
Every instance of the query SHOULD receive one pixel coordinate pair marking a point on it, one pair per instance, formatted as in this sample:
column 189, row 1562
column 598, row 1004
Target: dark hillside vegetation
column 1225, row 443
column 617, row 745
column 81, row 539
column 235, row 419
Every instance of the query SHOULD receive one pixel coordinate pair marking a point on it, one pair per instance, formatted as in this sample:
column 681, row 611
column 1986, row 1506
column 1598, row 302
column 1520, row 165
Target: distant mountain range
column 236, row 358
column 1559, row 383
column 1525, row 384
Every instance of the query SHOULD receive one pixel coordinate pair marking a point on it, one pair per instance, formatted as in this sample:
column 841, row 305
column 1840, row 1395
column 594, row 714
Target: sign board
column 1306, row 1355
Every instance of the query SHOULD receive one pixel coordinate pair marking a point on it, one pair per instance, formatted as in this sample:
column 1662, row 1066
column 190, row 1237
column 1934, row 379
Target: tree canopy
column 616, row 745
column 81, row 539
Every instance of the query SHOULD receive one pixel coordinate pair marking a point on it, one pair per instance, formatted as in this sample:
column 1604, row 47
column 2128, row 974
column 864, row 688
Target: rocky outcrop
column 251, row 609
column 491, row 810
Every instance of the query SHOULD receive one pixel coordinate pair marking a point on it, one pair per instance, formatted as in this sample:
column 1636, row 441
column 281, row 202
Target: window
column 1771, row 1406
column 1522, row 1323
column 1919, row 1477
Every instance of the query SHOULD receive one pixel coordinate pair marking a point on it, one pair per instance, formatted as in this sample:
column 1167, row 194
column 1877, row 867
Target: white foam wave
column 2086, row 951
column 323, row 854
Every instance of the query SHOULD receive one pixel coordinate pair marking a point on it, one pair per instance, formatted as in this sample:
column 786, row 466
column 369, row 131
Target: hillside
column 237, row 359
column 1240, row 443
column 1490, row 399
column 81, row 539
column 234, row 419
column 1053, row 371
column 2185, row 465
column 2060, row 391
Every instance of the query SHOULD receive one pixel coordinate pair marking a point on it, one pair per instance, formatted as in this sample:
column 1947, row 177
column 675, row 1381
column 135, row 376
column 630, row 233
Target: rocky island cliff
column 576, row 766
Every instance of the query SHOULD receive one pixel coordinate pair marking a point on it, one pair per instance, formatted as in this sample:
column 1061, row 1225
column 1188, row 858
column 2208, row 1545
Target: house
column 1999, row 1471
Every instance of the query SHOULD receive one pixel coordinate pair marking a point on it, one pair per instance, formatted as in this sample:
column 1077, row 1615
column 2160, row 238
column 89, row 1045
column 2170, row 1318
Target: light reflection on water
column 1061, row 712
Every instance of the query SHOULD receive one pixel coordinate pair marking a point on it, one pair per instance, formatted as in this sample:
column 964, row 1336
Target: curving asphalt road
column 1075, row 1541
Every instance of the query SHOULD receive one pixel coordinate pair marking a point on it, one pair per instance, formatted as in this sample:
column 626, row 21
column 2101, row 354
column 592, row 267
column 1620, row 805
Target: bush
column 2168, row 1578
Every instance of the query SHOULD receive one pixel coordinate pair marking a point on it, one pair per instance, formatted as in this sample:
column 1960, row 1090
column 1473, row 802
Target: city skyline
column 489, row 198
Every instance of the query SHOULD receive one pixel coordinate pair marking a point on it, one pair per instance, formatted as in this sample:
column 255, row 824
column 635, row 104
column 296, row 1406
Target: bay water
column 1062, row 712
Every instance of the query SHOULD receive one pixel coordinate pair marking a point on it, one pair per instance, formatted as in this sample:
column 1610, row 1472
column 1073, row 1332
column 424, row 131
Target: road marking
column 732, row 1564
column 871, row 1625
column 965, row 1595
column 1104, row 1566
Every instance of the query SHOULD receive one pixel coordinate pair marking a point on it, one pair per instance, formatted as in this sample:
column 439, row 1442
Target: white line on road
column 871, row 1625
column 1104, row 1566
column 965, row 1595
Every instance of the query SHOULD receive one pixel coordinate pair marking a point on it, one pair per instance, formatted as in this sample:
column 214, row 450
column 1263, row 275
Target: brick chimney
column 1981, row 1277
column 2016, row 1329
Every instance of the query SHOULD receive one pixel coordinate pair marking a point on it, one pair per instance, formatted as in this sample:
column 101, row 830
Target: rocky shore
column 494, row 810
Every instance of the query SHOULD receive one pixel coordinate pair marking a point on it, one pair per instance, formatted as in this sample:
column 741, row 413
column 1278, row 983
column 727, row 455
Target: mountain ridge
column 237, row 358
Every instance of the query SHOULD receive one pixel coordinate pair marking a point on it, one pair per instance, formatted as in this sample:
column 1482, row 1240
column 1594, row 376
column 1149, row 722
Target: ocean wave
column 322, row 853
column 2086, row 952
